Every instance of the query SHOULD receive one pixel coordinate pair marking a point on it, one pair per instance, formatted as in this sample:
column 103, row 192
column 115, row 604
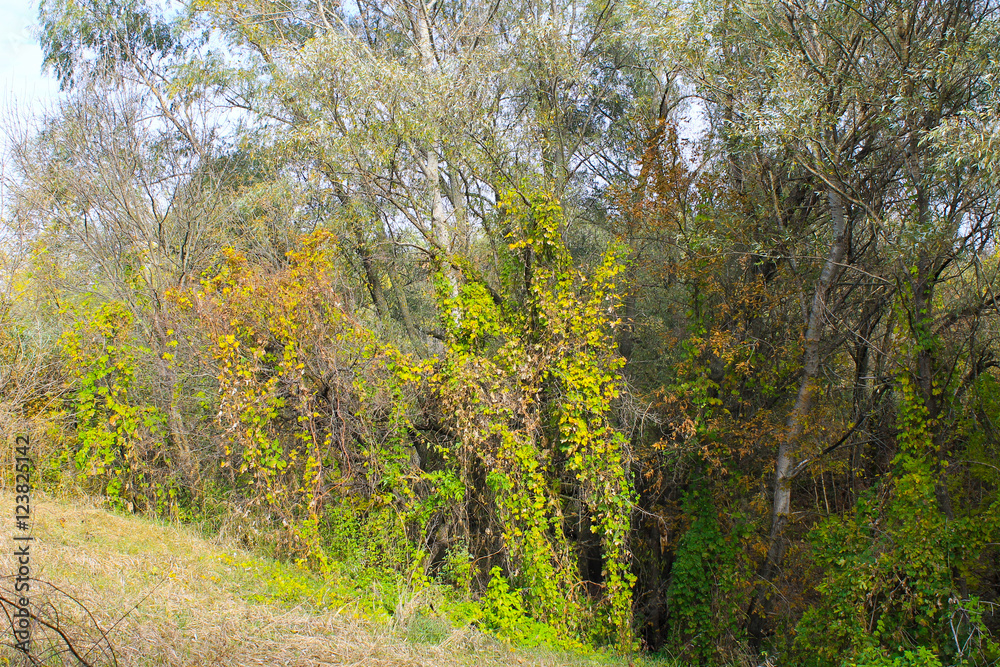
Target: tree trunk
column 373, row 279
column 431, row 166
column 404, row 305
column 787, row 459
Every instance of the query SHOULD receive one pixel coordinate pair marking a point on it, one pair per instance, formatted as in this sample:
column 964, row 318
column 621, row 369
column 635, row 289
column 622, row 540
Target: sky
column 22, row 85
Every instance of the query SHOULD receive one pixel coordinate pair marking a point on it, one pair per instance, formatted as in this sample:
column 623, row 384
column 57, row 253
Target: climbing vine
column 896, row 566
column 301, row 385
column 705, row 588
column 117, row 437
column 529, row 389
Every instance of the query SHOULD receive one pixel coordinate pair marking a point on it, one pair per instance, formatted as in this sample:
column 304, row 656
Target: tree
column 833, row 97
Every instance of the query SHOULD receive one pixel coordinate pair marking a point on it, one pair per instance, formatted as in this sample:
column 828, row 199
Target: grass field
column 130, row 591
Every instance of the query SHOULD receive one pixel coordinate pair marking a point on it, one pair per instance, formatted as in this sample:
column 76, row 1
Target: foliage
column 110, row 33
column 704, row 590
column 297, row 380
column 896, row 566
column 531, row 388
column 504, row 613
column 921, row 657
column 117, row 437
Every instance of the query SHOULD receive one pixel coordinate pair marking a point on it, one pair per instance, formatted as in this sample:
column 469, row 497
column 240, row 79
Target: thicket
column 441, row 297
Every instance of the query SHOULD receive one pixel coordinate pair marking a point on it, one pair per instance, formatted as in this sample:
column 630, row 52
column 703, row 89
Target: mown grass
column 128, row 590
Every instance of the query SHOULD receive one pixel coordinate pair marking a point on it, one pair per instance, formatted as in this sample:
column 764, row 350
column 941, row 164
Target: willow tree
column 843, row 99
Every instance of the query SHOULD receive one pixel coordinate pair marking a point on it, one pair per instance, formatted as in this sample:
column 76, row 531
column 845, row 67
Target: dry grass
column 159, row 594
